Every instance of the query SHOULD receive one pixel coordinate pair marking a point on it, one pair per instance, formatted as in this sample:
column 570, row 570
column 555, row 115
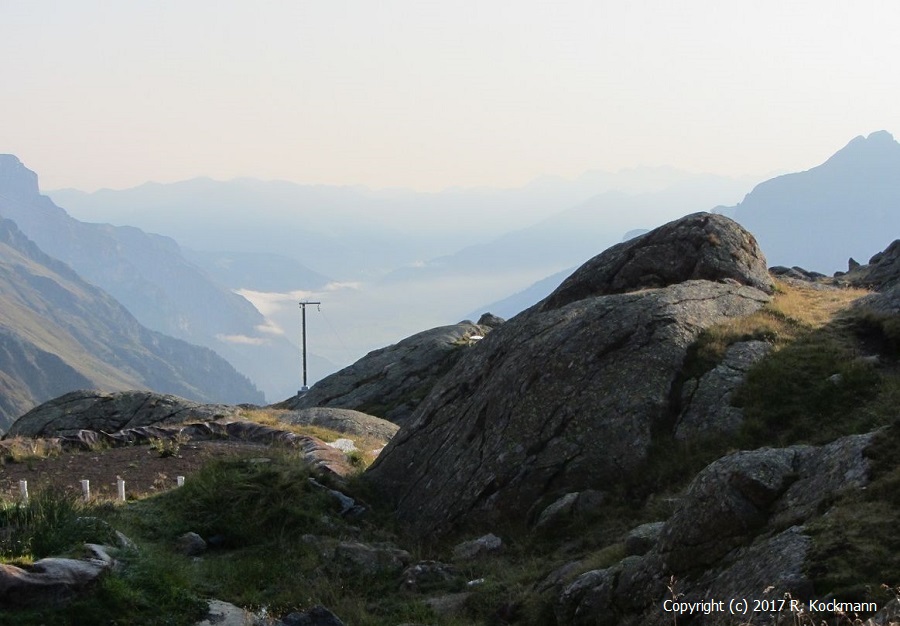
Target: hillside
column 59, row 333
column 671, row 424
column 150, row 276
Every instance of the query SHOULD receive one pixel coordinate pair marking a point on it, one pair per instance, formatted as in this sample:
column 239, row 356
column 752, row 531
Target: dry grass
column 793, row 312
column 368, row 447
column 24, row 449
column 812, row 307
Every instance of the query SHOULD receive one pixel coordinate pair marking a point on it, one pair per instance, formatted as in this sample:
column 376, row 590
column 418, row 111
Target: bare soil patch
column 144, row 470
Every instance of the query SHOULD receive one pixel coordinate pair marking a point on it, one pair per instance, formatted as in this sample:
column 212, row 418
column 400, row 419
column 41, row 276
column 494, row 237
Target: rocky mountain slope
column 670, row 428
column 583, row 379
column 149, row 275
column 58, row 333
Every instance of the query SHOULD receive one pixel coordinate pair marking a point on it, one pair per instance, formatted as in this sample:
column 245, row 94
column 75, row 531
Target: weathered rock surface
column 474, row 548
column 882, row 271
column 110, row 412
column 344, row 421
column 52, row 580
column 370, row 559
column 707, row 402
column 392, row 381
column 427, row 575
column 190, row 544
column 226, row 614
column 643, row 538
column 795, row 273
column 316, row 453
column 737, row 531
column 571, row 506
column 565, row 396
column 701, row 246
column 726, row 504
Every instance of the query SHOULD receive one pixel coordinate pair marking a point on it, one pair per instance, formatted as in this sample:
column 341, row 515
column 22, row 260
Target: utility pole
column 303, row 304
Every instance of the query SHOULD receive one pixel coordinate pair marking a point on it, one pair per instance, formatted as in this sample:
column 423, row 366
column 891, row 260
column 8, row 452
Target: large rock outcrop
column 881, row 273
column 343, row 421
column 739, row 529
column 111, row 412
column 390, row 382
column 567, row 395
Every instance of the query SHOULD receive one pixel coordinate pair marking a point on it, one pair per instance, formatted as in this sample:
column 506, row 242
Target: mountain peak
column 16, row 180
column 879, row 149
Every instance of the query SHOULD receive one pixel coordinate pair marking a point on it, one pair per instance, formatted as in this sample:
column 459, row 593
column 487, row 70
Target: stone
column 366, row 559
column 52, row 581
column 112, row 411
column 226, row 614
column 588, row 599
column 725, row 506
column 348, row 505
column 882, row 271
column 490, row 320
column 643, row 538
column 468, row 550
column 888, row 615
column 344, row 445
column 581, row 388
column 426, row 576
column 701, row 246
column 707, row 404
column 565, row 396
column 570, row 507
column 321, row 457
column 345, row 421
column 190, row 544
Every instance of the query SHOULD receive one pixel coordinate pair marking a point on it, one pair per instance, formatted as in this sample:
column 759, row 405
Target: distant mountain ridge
column 848, row 205
column 59, row 333
column 150, row 276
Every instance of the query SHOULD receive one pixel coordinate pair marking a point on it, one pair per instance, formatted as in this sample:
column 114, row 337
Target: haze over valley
column 601, row 302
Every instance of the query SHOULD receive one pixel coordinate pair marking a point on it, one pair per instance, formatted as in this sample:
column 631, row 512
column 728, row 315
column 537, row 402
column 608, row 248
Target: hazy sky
column 428, row 94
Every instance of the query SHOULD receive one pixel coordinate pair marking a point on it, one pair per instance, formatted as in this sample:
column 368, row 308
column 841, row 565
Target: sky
column 430, row 95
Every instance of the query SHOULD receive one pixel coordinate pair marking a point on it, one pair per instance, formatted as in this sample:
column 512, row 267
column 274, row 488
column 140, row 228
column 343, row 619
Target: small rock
column 490, row 320
column 427, row 575
column 348, row 505
column 49, row 581
column 190, row 544
column 573, row 505
column 469, row 550
column 227, row 614
column 344, row 445
column 370, row 559
column 642, row 539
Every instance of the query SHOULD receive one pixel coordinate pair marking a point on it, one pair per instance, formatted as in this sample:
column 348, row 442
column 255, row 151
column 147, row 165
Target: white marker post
column 121, row 485
column 86, row 489
column 179, row 480
column 23, row 490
